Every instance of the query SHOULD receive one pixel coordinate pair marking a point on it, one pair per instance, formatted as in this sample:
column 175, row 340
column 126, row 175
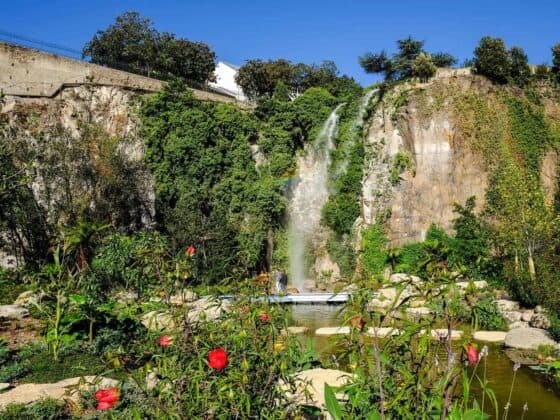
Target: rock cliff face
column 418, row 124
column 81, row 152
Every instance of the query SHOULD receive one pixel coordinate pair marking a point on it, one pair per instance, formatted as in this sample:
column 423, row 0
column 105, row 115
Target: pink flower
column 218, row 359
column 190, row 251
column 165, row 341
column 472, row 354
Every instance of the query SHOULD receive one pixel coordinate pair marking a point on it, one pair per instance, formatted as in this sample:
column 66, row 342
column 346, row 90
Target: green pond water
column 530, row 387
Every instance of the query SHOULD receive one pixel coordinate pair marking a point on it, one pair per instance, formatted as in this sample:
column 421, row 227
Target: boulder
column 65, row 389
column 29, row 298
column 404, row 278
column 310, row 385
column 511, row 316
column 480, row 284
column 421, row 312
column 527, row 315
column 207, row 309
column 4, row 386
column 518, row 324
column 13, row 312
column 490, row 336
column 528, row 338
column 539, row 309
column 539, row 320
column 156, row 321
column 183, row 297
column 505, row 305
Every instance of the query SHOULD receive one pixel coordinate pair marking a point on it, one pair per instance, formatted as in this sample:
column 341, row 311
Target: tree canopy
column 401, row 64
column 133, row 44
column 259, row 78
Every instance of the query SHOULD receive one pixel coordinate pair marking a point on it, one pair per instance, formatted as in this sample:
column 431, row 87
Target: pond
column 530, row 387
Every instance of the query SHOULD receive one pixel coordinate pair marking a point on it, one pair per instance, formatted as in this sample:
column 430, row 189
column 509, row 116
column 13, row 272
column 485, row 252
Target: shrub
column 373, row 255
column 45, row 409
column 486, row 315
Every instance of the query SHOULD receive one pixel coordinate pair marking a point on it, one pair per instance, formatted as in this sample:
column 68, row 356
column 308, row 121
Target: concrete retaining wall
column 27, row 72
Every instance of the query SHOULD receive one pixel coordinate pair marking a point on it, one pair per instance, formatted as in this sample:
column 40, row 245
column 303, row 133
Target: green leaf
column 77, row 299
column 333, row 406
column 374, row 415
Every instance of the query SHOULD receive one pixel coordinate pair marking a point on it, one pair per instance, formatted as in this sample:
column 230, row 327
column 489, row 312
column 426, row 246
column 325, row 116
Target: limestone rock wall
column 442, row 170
column 38, row 123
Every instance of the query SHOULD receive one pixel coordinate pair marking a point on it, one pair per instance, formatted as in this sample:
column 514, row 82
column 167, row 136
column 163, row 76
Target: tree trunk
column 531, row 262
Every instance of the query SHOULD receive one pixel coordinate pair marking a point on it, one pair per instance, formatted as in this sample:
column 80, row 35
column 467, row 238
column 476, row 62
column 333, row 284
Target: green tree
column 132, row 44
column 378, row 63
column 520, row 71
column 492, row 59
column 443, row 59
column 400, row 65
column 423, row 67
column 525, row 226
column 556, row 59
column 259, row 78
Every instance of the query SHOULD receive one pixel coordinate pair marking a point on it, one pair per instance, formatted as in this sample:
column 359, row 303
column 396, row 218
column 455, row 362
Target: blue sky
column 308, row 31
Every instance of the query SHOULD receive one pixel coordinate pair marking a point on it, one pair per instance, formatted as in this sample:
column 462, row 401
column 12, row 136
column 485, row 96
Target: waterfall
column 308, row 197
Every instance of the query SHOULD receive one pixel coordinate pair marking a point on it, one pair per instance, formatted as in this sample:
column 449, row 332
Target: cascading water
column 308, row 197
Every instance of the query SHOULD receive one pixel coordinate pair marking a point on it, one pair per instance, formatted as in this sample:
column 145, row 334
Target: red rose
column 472, row 354
column 190, row 251
column 218, row 359
column 264, row 317
column 108, row 395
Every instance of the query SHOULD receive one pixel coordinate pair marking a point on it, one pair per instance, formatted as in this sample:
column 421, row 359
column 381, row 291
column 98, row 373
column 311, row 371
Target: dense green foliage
column 132, row 44
column 208, row 190
column 494, row 61
column 410, row 61
column 373, row 255
column 260, row 78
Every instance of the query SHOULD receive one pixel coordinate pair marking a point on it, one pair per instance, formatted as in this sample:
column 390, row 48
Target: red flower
column 107, row 398
column 218, row 359
column 165, row 341
column 109, row 395
column 264, row 317
column 105, row 405
column 190, row 251
column 472, row 354
column 357, row 322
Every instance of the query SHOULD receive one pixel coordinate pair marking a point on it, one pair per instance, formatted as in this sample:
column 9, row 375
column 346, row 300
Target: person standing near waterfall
column 281, row 282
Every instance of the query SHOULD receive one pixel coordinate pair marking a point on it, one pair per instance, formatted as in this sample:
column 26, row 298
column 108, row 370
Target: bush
column 486, row 315
column 374, row 255
column 45, row 409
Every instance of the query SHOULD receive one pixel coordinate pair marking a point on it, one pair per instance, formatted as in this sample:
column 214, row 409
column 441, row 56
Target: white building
column 225, row 81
